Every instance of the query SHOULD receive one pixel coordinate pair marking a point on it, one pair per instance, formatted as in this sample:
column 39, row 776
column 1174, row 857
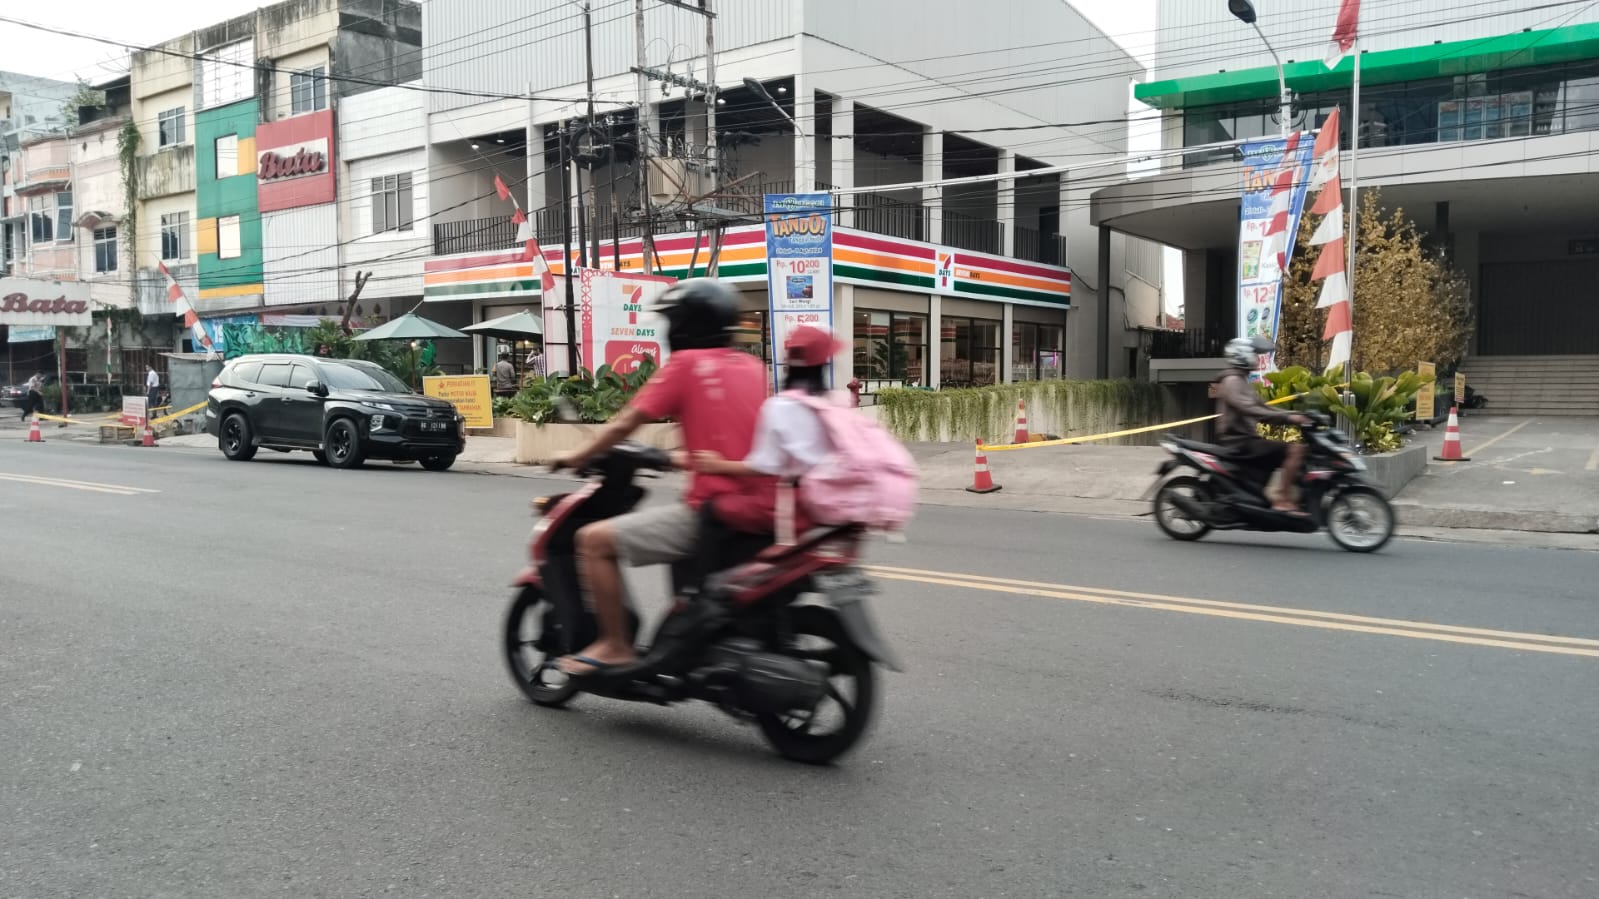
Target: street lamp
column 1244, row 10
column 759, row 90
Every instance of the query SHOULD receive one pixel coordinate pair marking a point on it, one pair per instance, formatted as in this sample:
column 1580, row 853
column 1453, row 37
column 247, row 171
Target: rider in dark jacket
column 1239, row 409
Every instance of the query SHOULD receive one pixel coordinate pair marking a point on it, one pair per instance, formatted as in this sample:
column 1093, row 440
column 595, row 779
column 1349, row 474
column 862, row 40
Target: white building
column 1481, row 123
column 884, row 93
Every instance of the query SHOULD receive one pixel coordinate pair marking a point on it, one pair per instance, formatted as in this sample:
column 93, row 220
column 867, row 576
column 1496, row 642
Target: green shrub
column 597, row 397
column 1379, row 403
column 989, row 413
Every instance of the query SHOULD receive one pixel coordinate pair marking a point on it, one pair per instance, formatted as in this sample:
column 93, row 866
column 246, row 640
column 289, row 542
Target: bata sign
column 27, row 302
column 271, row 166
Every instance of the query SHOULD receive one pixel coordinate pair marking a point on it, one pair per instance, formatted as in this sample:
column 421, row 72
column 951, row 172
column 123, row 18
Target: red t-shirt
column 715, row 396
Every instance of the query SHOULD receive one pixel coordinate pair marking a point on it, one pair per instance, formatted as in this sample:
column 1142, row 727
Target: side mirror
column 316, row 388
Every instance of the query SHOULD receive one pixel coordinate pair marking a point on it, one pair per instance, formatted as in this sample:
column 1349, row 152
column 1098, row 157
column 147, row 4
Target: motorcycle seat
column 1214, row 449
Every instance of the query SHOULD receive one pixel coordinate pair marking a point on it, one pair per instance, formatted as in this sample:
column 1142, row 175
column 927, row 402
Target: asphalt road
column 276, row 679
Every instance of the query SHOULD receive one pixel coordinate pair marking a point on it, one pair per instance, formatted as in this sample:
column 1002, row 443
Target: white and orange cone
column 33, row 431
column 148, row 438
column 1021, row 422
column 1451, row 451
column 982, row 480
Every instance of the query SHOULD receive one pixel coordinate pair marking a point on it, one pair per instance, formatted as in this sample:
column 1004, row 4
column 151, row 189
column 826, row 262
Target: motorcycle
column 738, row 638
column 1226, row 495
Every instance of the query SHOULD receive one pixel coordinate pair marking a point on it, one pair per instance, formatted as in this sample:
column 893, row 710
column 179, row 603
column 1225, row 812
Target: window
column 308, row 90
column 228, row 237
column 247, row 373
column 105, row 250
column 391, row 203
column 64, row 215
column 968, row 352
column 891, row 346
column 171, row 125
column 175, row 237
column 227, row 156
column 275, row 375
column 301, row 376
column 1038, row 352
column 360, row 376
column 41, row 219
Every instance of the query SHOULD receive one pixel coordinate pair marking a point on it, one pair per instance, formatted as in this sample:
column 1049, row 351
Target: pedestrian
column 535, row 360
column 34, row 401
column 504, row 375
column 152, row 384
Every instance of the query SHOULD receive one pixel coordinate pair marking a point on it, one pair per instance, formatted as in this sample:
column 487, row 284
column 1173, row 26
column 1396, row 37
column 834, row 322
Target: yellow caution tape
column 178, row 414
column 115, row 416
column 99, row 419
column 1065, row 441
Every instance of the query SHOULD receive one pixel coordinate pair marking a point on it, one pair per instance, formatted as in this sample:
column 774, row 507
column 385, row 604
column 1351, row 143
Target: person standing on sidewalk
column 34, row 401
column 152, row 385
column 504, row 375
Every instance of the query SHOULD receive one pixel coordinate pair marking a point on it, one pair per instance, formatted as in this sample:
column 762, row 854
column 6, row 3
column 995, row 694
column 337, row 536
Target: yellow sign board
column 1426, row 397
column 469, row 393
column 1460, row 388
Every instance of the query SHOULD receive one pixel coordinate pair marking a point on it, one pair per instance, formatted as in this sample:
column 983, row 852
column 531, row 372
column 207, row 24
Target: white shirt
column 789, row 439
column 153, row 379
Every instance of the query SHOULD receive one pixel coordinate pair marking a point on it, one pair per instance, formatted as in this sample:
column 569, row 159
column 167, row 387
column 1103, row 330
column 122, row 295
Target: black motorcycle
column 1228, row 495
column 737, row 636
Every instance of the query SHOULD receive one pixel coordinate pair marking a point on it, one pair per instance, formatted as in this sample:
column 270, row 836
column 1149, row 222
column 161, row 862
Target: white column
column 1007, row 353
column 844, row 329
column 1007, row 205
column 844, row 157
column 932, row 170
column 804, row 136
column 1065, row 221
column 935, row 340
column 536, row 198
column 477, row 345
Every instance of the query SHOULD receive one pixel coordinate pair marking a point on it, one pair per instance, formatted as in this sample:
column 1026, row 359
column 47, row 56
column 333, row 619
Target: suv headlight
column 386, row 407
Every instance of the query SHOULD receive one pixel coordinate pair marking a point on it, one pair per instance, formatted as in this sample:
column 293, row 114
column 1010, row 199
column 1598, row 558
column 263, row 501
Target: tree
column 1410, row 304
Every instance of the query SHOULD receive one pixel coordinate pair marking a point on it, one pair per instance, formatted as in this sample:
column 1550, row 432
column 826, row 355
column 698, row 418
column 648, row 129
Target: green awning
column 1523, row 49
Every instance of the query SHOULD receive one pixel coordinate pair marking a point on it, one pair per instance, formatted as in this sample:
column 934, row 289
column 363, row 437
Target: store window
column 969, row 352
column 751, row 336
column 1038, row 352
column 891, row 346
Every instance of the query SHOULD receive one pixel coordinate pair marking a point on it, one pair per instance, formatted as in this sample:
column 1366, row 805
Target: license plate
column 434, row 425
column 844, row 581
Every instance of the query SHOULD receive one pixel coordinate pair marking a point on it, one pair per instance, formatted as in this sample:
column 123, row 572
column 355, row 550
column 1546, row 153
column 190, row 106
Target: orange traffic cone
column 1021, row 422
column 982, row 481
column 148, row 438
column 33, row 431
column 1451, row 452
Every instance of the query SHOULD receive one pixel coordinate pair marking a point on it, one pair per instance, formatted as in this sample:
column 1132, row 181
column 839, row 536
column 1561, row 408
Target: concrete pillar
column 844, row 329
column 1007, row 204
column 935, row 340
column 536, row 198
column 1007, row 353
column 804, row 136
column 932, row 170
column 844, row 158
column 1064, row 197
column 1102, row 351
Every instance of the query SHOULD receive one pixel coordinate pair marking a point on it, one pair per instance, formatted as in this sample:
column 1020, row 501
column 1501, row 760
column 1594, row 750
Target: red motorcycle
column 739, row 638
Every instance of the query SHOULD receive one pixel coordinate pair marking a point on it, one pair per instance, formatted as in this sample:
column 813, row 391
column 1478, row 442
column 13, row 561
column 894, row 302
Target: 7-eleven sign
column 944, row 271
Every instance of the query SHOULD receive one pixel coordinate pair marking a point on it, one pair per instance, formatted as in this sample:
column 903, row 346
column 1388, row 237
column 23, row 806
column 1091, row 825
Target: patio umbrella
column 516, row 326
column 410, row 327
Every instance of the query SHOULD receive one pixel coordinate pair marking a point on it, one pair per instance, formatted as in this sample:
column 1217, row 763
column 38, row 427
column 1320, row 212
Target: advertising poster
column 134, row 410
column 1260, row 278
column 1426, row 396
column 799, row 252
column 468, row 393
column 616, row 321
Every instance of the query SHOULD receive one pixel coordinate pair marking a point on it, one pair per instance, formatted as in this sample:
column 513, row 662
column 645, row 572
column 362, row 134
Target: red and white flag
column 1344, row 33
column 532, row 252
column 1331, row 265
column 191, row 319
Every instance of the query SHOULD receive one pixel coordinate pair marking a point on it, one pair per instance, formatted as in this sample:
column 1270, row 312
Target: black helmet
column 700, row 314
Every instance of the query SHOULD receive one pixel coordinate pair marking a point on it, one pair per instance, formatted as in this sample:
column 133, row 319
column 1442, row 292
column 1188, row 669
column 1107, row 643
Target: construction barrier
column 1111, row 435
column 97, row 420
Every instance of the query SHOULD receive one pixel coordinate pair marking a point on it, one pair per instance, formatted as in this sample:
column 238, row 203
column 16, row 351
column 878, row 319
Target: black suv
column 343, row 410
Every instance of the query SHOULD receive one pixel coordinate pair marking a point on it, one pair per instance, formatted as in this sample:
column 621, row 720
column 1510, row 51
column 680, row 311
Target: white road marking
column 89, row 486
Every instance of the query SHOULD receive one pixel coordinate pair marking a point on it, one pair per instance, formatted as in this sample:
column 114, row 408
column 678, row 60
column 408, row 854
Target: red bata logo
column 20, row 302
column 301, row 163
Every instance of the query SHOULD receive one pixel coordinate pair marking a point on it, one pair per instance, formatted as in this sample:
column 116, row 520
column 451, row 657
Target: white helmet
column 1245, row 352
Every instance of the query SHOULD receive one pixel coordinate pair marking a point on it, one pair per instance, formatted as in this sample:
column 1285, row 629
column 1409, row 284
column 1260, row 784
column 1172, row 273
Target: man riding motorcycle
column 1239, row 409
column 714, row 393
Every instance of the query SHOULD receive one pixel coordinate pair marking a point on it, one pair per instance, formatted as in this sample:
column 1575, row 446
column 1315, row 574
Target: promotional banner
column 30, row 333
column 468, row 393
column 1260, row 270
column 1426, row 396
column 616, row 322
column 799, row 252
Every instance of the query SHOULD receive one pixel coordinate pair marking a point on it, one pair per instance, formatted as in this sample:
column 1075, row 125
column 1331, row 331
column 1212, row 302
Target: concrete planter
column 503, row 427
column 1392, row 471
column 539, row 444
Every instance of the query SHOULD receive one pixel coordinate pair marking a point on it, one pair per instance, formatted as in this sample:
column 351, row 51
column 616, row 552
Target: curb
column 1485, row 519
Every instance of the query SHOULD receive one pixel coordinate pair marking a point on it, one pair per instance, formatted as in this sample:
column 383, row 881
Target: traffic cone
column 1021, row 422
column 33, row 431
column 148, row 439
column 982, row 481
column 1451, row 452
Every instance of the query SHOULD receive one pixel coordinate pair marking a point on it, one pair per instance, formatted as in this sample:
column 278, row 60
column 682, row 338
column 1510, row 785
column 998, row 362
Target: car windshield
column 349, row 376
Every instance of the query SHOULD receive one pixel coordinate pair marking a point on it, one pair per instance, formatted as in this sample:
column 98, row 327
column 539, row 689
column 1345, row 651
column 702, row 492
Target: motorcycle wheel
column 793, row 733
column 1173, row 520
column 1360, row 520
column 528, row 661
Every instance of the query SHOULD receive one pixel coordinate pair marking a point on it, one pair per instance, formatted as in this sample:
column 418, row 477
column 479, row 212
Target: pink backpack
column 869, row 477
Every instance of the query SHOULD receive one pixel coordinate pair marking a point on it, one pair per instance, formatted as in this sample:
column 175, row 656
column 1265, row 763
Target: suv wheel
column 438, row 461
column 343, row 444
column 234, row 438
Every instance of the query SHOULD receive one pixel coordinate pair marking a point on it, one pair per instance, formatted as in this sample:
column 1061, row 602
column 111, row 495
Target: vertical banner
column 799, row 268
column 1260, row 268
column 617, row 324
column 1426, row 396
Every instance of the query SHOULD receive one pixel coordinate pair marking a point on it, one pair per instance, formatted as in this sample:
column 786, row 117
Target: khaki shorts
column 658, row 535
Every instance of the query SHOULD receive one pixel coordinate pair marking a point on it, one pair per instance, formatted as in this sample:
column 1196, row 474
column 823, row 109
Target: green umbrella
column 410, row 327
column 516, row 326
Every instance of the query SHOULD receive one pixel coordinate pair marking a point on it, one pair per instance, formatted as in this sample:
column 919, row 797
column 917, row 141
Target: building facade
column 1483, row 125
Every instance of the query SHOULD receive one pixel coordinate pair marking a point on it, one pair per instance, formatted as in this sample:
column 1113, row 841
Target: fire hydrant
column 854, row 387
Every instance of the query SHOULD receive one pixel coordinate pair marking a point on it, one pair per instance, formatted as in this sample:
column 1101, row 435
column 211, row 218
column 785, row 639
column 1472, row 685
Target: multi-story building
column 239, row 172
column 939, row 284
column 1481, row 122
column 29, row 108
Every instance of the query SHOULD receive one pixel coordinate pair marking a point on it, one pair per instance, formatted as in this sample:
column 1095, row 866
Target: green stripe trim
column 1520, row 50
column 1012, row 293
column 904, row 279
column 742, row 270
column 492, row 287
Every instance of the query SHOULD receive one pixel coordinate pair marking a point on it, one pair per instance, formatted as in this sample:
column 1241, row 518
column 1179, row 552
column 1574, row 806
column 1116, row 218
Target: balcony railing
column 474, row 236
column 969, row 232
column 1034, row 246
column 891, row 218
column 1195, row 343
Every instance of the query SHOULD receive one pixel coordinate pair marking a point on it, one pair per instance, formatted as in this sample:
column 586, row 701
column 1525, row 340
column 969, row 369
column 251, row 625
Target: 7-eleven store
column 996, row 319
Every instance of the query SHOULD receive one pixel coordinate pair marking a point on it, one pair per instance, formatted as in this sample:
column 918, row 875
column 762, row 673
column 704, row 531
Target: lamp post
column 1244, row 10
column 759, row 90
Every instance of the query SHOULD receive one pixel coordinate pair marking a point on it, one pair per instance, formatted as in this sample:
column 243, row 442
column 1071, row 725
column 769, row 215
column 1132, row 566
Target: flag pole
column 1354, row 205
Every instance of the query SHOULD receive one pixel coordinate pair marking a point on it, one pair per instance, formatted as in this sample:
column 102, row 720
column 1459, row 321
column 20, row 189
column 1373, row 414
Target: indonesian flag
column 524, row 235
column 191, row 320
column 1282, row 194
column 1331, row 266
column 1344, row 33
column 500, row 188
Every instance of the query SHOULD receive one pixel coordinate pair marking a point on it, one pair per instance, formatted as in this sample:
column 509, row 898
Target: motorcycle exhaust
column 1189, row 507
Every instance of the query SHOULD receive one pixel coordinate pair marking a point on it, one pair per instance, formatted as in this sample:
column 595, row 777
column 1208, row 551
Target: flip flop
column 595, row 666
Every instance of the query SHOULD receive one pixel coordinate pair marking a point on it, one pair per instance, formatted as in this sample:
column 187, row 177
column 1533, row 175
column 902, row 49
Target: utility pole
column 710, row 96
column 566, row 265
column 644, row 139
